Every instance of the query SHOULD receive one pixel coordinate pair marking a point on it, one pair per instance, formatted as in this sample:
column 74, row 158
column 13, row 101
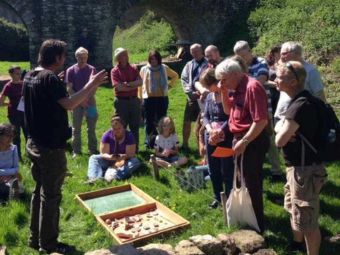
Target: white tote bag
column 239, row 209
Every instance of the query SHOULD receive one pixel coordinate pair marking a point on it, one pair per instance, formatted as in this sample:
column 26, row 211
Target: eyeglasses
column 285, row 53
column 291, row 68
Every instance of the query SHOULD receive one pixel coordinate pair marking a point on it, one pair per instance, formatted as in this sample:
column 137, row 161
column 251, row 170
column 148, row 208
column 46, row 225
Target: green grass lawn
column 5, row 65
column 80, row 228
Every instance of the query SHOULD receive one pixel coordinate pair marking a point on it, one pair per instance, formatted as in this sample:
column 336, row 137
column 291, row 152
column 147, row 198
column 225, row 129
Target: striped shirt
column 259, row 67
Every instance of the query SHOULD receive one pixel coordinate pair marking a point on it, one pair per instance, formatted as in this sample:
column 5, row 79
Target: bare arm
column 105, row 151
column 128, row 86
column 286, row 132
column 2, row 100
column 70, row 88
column 69, row 103
column 255, row 130
column 172, row 75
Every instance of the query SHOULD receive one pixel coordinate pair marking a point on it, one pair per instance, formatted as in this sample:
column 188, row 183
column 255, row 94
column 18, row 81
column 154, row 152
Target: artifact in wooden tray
column 141, row 223
column 130, row 215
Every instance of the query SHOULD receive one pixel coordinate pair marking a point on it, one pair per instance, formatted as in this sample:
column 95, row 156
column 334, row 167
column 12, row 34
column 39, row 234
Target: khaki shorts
column 302, row 195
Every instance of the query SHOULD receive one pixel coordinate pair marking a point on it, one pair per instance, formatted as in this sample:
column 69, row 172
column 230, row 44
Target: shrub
column 314, row 23
column 14, row 41
column 150, row 32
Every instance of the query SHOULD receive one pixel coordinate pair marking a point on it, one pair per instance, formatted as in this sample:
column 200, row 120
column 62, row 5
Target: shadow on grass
column 328, row 248
column 331, row 189
column 282, row 235
column 143, row 170
column 329, row 209
column 275, row 198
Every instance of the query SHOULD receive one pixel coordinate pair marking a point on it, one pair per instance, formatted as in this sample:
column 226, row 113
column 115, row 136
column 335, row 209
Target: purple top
column 109, row 138
column 13, row 92
column 78, row 77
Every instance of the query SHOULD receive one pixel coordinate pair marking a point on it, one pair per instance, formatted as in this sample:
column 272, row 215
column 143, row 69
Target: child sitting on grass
column 9, row 164
column 167, row 146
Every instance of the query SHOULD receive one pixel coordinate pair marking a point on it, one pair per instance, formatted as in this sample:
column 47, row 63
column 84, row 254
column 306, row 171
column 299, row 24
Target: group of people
column 234, row 102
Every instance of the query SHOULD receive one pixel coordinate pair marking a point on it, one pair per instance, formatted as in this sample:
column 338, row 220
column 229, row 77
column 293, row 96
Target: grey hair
column 227, row 66
column 196, row 45
column 293, row 47
column 241, row 45
column 80, row 51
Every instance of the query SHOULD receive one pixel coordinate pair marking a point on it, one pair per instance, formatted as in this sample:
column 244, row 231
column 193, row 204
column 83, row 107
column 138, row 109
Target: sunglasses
column 291, row 68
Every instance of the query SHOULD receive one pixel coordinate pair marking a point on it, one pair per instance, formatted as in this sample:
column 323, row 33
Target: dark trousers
column 129, row 110
column 18, row 122
column 48, row 171
column 253, row 160
column 155, row 108
column 221, row 169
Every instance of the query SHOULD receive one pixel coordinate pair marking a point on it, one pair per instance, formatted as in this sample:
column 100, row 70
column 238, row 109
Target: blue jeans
column 17, row 120
column 98, row 166
column 221, row 169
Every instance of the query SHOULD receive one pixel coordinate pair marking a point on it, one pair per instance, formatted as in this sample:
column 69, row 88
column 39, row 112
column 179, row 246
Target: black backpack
column 328, row 142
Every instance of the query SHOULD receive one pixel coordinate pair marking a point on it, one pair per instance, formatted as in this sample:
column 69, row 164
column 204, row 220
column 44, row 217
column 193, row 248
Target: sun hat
column 118, row 51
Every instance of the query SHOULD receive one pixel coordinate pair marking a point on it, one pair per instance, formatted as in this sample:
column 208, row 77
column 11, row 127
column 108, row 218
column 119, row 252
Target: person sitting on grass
column 13, row 90
column 117, row 154
column 9, row 164
column 167, row 146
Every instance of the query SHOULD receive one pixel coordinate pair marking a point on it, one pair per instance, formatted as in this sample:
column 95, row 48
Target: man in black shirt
column 46, row 105
column 305, row 172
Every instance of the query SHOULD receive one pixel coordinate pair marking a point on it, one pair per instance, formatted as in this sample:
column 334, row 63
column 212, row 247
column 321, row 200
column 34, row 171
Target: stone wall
column 195, row 20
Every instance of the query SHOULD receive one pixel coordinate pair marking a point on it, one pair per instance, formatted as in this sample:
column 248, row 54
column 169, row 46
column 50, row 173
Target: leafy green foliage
column 150, row 32
column 14, row 41
column 314, row 23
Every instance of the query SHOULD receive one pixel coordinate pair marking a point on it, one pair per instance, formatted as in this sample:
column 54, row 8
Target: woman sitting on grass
column 167, row 146
column 117, row 154
column 9, row 164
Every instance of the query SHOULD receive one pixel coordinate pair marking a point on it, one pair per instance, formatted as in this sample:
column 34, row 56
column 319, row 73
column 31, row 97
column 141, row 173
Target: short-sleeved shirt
column 14, row 92
column 128, row 74
column 313, row 82
column 248, row 104
column 9, row 161
column 78, row 76
column 259, row 67
column 45, row 118
column 119, row 148
column 166, row 143
column 303, row 112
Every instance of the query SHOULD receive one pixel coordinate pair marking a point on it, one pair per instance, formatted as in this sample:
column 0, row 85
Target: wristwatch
column 245, row 141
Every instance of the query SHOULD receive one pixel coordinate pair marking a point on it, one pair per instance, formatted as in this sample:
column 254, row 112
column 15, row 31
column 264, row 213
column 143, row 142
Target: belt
column 126, row 98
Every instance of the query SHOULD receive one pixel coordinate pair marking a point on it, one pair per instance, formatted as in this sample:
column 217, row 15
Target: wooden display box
column 83, row 198
column 154, row 218
column 174, row 221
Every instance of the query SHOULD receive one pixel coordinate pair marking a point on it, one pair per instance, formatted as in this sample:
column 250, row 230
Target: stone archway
column 195, row 20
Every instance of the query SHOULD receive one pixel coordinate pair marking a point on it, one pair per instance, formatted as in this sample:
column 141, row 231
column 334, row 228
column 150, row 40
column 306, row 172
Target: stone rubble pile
column 242, row 242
